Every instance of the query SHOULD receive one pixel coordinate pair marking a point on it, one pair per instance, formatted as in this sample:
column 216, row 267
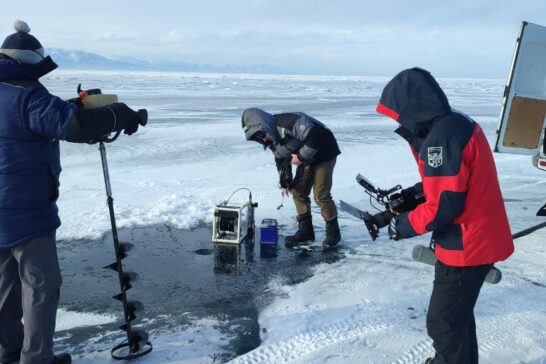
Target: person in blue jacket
column 32, row 121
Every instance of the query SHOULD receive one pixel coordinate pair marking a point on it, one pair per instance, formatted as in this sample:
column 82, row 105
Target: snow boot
column 305, row 232
column 333, row 235
column 429, row 361
column 63, row 358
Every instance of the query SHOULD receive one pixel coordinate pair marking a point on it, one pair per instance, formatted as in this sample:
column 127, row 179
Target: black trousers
column 450, row 317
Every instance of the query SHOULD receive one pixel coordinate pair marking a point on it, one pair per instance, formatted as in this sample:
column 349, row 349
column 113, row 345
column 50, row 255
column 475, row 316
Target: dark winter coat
column 293, row 133
column 464, row 208
column 32, row 121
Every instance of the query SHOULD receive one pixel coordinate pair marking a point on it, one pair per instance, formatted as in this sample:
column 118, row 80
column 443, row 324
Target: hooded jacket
column 464, row 208
column 32, row 121
column 292, row 133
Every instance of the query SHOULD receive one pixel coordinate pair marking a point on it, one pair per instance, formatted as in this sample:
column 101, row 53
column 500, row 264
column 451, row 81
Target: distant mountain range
column 76, row 59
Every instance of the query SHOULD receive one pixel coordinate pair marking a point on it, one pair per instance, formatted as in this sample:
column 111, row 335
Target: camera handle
column 378, row 194
column 384, row 194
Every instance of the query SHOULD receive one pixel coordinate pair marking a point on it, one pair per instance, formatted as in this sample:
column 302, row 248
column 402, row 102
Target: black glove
column 382, row 219
column 126, row 119
column 393, row 230
column 90, row 124
column 285, row 172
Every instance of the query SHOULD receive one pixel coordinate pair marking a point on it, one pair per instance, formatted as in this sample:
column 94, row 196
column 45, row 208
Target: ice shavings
column 67, row 320
column 200, row 343
column 181, row 211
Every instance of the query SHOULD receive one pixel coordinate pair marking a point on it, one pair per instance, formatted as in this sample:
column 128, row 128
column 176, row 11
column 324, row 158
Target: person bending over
column 298, row 139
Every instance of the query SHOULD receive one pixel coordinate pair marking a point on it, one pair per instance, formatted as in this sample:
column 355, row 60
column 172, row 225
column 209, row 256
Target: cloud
column 114, row 38
column 175, row 36
column 346, row 36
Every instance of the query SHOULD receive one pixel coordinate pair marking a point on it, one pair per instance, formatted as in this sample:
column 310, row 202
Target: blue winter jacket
column 32, row 121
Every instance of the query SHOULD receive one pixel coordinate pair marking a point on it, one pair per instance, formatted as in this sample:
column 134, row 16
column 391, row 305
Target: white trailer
column 522, row 118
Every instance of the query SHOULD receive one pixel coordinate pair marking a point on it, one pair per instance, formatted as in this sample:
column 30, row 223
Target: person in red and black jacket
column 463, row 207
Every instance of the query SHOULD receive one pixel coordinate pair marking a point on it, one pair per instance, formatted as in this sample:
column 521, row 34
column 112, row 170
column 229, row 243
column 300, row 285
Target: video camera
column 395, row 200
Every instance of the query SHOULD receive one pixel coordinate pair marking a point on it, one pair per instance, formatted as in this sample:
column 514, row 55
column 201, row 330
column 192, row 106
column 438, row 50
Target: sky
column 466, row 38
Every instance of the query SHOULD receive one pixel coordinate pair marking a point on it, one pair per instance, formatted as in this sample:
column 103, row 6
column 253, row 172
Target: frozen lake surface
column 366, row 304
column 181, row 279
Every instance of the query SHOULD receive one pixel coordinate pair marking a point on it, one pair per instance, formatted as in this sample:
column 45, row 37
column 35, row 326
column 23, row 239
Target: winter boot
column 429, row 361
column 304, row 234
column 333, row 236
column 63, row 358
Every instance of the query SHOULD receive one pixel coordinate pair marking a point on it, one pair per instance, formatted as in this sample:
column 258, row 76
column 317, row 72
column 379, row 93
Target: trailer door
column 522, row 117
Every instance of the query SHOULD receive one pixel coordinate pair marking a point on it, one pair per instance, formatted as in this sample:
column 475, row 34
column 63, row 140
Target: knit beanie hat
column 22, row 46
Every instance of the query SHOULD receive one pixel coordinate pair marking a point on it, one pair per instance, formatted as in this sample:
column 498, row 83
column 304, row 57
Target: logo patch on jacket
column 435, row 159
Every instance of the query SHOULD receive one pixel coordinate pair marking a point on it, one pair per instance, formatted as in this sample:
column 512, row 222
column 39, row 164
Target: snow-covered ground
column 369, row 307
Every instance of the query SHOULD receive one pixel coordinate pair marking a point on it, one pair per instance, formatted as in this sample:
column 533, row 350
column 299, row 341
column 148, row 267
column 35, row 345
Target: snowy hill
column 78, row 59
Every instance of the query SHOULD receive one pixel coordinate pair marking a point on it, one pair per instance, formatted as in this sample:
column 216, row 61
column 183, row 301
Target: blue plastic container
column 269, row 231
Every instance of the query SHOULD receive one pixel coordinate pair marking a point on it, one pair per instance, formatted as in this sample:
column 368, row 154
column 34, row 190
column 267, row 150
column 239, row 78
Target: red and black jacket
column 464, row 208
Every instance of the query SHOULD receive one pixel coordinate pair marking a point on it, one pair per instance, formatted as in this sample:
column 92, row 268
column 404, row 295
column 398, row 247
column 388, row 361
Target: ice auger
column 137, row 343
